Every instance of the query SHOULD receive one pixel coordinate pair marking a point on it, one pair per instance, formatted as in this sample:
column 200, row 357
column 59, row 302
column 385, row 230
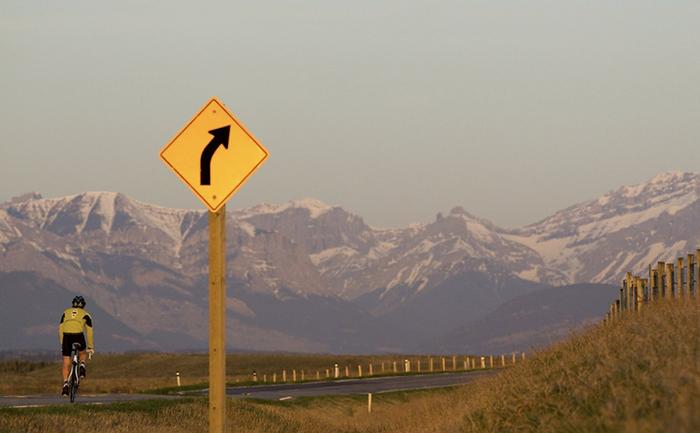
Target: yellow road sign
column 214, row 154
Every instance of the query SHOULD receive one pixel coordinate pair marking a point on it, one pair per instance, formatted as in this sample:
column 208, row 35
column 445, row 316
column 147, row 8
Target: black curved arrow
column 220, row 138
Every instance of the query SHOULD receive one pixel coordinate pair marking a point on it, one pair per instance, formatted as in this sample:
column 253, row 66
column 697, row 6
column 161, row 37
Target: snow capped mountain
column 624, row 230
column 146, row 265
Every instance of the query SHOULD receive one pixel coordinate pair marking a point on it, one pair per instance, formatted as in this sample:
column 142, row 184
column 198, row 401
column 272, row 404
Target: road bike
column 74, row 374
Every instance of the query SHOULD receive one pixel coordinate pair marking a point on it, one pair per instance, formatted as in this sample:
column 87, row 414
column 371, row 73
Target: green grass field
column 640, row 374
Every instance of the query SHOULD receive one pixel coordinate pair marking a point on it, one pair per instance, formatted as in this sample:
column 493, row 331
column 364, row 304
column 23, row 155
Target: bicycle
column 74, row 374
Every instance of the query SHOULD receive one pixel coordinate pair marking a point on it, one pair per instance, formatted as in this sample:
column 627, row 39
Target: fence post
column 336, row 371
column 294, row 375
column 660, row 271
column 454, row 363
column 302, row 375
column 265, row 378
column 503, row 360
column 483, row 362
column 359, row 371
column 629, row 292
column 418, row 365
column 491, row 361
column 697, row 275
column 284, row 375
column 670, row 289
column 274, row 377
column 444, row 368
column 371, row 373
column 430, row 362
column 680, row 288
column 347, row 371
column 690, row 274
column 318, row 375
column 369, row 403
column 639, row 290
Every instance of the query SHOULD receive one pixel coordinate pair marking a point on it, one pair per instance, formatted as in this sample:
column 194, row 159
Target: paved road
column 55, row 399
column 356, row 386
column 273, row 392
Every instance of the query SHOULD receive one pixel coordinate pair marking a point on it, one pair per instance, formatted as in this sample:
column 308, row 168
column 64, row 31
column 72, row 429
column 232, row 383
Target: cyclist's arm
column 60, row 329
column 88, row 331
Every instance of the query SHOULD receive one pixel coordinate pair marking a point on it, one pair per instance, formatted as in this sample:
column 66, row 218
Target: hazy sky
column 394, row 110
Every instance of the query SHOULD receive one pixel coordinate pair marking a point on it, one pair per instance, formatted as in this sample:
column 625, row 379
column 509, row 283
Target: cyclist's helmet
column 78, row 302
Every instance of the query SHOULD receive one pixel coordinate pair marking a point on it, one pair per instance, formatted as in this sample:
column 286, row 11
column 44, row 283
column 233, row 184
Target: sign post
column 214, row 155
column 217, row 320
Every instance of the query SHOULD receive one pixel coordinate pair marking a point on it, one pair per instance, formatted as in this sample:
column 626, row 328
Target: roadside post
column 214, row 155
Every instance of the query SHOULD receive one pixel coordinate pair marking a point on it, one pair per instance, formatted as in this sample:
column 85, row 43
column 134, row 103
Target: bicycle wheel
column 73, row 385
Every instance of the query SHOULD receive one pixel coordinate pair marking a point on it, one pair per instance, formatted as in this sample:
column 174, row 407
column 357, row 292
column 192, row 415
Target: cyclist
column 70, row 330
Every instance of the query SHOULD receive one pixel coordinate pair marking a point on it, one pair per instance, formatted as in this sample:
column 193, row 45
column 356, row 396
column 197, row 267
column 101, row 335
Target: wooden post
column 418, row 365
column 274, row 377
column 336, row 371
column 318, row 375
column 430, row 363
column 302, row 375
column 359, row 371
column 697, row 275
column 454, row 363
column 347, row 371
column 294, row 375
column 680, row 288
column 177, row 376
column 382, row 367
column 371, row 372
column 491, row 361
column 670, row 290
column 660, row 271
column 466, row 367
column 483, row 362
column 328, row 374
column 284, row 375
column 629, row 299
column 690, row 275
column 369, row 403
column 503, row 360
column 473, row 363
column 523, row 356
column 265, row 378
column 513, row 358
column 444, row 365
column 217, row 321
column 639, row 293
column 653, row 286
column 394, row 367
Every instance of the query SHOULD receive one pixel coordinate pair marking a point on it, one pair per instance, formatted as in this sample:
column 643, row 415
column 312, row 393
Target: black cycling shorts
column 69, row 339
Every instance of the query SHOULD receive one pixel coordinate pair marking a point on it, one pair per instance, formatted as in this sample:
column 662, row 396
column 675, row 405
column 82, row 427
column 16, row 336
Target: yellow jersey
column 73, row 321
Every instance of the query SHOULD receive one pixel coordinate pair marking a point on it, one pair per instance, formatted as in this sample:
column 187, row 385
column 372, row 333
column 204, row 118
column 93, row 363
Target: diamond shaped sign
column 214, row 154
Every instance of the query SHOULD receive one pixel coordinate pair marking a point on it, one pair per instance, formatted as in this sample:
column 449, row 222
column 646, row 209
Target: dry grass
column 641, row 374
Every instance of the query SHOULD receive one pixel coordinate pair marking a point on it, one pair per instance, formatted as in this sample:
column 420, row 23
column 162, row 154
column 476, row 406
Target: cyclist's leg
column 83, row 368
column 66, row 367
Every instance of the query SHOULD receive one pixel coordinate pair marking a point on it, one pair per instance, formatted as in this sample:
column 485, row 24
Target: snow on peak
column 315, row 207
column 662, row 183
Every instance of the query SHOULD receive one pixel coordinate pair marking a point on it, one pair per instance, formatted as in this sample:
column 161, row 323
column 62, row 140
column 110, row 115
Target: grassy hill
column 640, row 374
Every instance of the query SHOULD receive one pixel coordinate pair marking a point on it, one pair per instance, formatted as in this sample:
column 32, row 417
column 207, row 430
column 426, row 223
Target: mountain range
column 307, row 276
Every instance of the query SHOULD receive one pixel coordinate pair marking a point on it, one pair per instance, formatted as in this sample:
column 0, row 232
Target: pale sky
column 394, row 110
